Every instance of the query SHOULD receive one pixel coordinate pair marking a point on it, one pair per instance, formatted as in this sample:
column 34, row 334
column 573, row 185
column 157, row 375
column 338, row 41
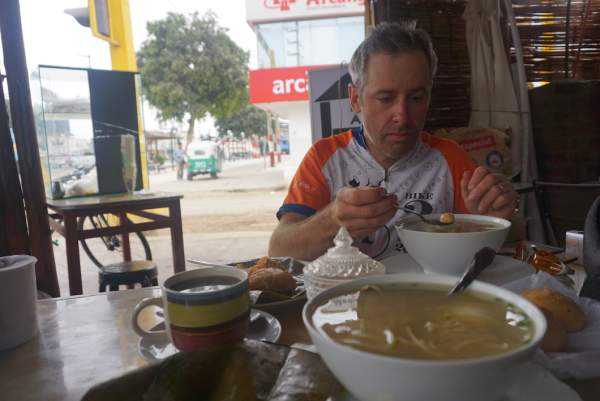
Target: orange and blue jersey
column 426, row 180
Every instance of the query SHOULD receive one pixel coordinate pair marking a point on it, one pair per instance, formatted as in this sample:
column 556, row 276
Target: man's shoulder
column 341, row 139
column 451, row 150
column 324, row 148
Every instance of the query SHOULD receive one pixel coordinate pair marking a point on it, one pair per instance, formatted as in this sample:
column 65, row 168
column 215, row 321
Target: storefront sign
column 258, row 11
column 330, row 110
column 279, row 84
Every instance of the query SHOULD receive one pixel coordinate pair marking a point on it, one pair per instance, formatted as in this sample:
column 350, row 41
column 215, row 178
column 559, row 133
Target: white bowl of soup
column 400, row 338
column 450, row 248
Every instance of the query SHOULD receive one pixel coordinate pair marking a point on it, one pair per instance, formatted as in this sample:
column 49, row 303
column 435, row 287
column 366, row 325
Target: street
column 224, row 219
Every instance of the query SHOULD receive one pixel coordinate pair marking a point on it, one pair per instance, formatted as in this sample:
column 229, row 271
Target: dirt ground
column 245, row 197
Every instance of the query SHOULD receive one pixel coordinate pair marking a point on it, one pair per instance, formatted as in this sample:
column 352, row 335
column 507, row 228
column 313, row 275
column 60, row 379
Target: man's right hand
column 363, row 210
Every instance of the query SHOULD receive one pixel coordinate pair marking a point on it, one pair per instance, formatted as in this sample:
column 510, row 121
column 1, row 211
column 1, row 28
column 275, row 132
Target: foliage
column 250, row 120
column 190, row 67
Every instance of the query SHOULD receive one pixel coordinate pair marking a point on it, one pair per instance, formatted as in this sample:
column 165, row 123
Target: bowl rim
column 536, row 316
column 506, row 224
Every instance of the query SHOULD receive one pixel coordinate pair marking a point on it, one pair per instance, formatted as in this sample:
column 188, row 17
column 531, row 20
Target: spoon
column 482, row 259
column 445, row 218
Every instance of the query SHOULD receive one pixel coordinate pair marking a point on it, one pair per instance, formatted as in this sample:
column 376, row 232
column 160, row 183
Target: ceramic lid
column 344, row 260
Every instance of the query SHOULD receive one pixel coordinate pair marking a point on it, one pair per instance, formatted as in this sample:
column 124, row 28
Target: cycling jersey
column 426, row 180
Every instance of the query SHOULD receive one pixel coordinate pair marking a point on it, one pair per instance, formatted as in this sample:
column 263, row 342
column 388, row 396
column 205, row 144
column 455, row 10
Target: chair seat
column 143, row 272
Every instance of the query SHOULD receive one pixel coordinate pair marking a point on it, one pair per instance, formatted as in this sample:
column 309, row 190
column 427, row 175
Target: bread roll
column 560, row 306
column 555, row 338
column 272, row 279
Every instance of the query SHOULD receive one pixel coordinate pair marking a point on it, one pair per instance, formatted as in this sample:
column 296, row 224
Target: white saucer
column 503, row 269
column 536, row 383
column 263, row 327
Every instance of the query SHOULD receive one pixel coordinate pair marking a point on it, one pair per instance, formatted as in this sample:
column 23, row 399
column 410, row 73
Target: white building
column 294, row 36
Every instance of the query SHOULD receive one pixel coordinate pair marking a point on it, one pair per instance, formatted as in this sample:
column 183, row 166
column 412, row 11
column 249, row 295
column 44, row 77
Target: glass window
column 311, row 42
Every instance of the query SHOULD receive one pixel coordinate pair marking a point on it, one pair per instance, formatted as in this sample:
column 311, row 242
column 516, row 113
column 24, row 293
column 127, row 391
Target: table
column 68, row 211
column 85, row 340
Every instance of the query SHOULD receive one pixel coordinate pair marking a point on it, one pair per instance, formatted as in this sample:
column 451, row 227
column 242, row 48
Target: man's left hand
column 488, row 193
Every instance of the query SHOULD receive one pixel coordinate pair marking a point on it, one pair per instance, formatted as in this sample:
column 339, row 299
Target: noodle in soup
column 422, row 322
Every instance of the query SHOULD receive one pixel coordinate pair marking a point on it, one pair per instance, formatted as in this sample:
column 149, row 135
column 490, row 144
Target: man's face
column 393, row 103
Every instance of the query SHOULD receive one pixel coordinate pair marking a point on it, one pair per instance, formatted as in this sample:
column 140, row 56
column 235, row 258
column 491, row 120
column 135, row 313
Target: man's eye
column 385, row 99
column 418, row 98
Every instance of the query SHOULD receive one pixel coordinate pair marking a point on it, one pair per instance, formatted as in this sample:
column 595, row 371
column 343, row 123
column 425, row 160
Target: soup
column 459, row 226
column 205, row 284
column 422, row 322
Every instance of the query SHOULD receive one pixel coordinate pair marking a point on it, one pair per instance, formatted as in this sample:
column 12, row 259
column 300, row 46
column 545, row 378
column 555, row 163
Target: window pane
column 321, row 41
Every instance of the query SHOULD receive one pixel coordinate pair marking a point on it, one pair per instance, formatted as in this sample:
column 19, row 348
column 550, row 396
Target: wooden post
column 13, row 226
column 27, row 146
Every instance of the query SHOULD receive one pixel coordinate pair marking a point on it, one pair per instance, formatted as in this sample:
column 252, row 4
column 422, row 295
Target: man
column 363, row 178
column 180, row 158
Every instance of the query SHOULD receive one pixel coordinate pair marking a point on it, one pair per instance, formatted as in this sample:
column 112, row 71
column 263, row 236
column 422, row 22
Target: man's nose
column 400, row 112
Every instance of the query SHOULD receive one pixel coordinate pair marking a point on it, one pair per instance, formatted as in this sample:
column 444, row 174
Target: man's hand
column 487, row 193
column 363, row 210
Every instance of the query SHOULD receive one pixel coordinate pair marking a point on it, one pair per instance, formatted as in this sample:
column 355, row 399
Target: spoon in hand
column 482, row 259
column 445, row 218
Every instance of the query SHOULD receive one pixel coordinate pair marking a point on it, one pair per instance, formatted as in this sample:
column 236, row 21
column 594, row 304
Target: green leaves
column 190, row 67
column 250, row 120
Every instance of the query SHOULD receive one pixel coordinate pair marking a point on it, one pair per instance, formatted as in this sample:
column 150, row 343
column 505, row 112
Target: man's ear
column 353, row 95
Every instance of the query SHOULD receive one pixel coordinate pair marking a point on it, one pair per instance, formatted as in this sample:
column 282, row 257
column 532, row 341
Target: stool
column 143, row 272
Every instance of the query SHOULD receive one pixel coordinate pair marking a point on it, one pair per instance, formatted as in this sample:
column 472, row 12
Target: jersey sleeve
column 458, row 161
column 308, row 191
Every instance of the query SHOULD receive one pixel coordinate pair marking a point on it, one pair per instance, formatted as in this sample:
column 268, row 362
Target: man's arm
column 302, row 237
column 361, row 210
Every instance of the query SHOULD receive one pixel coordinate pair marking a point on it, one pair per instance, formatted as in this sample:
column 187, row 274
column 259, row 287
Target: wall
column 566, row 131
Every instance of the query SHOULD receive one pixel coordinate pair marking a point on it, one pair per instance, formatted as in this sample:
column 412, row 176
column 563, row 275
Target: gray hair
column 390, row 38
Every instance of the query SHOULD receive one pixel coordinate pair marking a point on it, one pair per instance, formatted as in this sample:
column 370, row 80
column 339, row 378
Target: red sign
column 279, row 84
column 478, row 143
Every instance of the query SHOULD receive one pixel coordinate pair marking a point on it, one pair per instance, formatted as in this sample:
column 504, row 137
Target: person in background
column 180, row 159
column 363, row 178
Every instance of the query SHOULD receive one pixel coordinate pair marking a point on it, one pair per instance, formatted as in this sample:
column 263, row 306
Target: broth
column 459, row 226
column 205, row 284
column 421, row 322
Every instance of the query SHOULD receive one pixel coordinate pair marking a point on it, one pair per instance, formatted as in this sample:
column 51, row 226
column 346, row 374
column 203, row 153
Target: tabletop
column 123, row 199
column 86, row 340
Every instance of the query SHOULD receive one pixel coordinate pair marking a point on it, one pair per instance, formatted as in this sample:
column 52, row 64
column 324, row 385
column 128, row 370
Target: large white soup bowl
column 374, row 377
column 449, row 253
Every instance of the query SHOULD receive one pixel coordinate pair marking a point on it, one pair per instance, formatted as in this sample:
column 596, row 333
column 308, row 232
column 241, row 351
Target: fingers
column 361, row 195
column 477, row 176
column 494, row 192
column 363, row 210
column 487, row 193
column 464, row 183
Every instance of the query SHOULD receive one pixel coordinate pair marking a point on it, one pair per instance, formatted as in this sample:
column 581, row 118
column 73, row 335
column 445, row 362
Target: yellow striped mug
column 202, row 308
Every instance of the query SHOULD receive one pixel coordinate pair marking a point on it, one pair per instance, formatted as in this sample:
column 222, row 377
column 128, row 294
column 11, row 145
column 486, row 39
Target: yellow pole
column 122, row 55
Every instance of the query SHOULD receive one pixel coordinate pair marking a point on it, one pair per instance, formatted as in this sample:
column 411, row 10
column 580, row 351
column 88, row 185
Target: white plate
column 503, row 269
column 536, row 384
column 263, row 327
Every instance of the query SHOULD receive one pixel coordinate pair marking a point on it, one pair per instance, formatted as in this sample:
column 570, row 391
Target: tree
column 250, row 120
column 191, row 67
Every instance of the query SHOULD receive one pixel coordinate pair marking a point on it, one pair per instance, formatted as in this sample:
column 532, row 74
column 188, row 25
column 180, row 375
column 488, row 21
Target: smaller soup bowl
column 372, row 376
column 450, row 252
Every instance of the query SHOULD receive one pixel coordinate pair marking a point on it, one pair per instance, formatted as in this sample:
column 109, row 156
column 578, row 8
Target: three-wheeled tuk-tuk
column 204, row 157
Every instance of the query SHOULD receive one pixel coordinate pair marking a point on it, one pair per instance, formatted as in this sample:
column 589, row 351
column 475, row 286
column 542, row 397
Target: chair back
column 591, row 252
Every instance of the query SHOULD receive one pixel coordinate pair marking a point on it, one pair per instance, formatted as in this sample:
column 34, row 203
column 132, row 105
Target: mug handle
column 134, row 318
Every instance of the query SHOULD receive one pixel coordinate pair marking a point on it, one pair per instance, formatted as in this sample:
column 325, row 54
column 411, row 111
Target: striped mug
column 202, row 308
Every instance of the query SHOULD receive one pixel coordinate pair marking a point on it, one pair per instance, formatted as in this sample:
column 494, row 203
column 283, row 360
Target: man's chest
column 422, row 183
